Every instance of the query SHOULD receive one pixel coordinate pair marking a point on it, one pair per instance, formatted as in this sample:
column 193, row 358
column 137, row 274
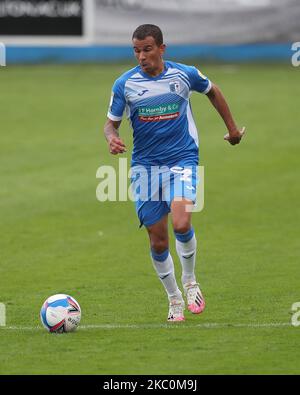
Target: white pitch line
column 212, row 325
column 184, row 325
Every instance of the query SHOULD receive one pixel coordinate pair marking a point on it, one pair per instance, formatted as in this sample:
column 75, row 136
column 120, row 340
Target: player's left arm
column 218, row 100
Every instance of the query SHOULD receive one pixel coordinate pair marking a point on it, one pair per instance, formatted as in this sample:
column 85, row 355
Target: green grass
column 56, row 237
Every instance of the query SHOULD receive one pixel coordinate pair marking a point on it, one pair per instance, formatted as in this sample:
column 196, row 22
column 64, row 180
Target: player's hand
column 116, row 146
column 235, row 137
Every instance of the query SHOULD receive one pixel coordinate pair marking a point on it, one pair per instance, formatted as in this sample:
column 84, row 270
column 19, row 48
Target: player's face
column 149, row 55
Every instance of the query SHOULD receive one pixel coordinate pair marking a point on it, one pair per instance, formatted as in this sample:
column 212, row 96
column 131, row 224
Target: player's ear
column 162, row 49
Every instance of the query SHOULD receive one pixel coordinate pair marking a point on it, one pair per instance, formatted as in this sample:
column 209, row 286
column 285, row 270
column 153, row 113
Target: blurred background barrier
column 41, row 18
column 101, row 30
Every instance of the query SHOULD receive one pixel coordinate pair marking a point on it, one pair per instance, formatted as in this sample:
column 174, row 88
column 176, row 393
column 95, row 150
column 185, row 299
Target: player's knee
column 159, row 245
column 182, row 226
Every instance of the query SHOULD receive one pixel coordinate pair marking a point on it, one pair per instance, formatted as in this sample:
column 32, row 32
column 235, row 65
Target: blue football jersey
column 159, row 111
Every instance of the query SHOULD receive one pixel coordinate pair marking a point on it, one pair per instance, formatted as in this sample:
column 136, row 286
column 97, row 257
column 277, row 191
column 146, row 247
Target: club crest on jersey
column 174, row 86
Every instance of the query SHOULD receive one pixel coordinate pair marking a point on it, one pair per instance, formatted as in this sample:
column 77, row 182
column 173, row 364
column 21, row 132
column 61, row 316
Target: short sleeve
column 198, row 81
column 117, row 101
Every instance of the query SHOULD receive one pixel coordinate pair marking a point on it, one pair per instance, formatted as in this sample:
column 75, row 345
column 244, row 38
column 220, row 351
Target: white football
column 60, row 313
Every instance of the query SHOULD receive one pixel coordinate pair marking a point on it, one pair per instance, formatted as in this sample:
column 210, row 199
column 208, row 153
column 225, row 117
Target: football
column 60, row 313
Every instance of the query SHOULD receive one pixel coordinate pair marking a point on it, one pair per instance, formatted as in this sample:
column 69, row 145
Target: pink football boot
column 195, row 299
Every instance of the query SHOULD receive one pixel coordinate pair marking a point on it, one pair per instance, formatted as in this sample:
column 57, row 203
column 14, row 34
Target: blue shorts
column 154, row 189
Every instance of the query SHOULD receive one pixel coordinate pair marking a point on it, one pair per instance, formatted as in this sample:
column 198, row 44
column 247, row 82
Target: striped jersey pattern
column 160, row 114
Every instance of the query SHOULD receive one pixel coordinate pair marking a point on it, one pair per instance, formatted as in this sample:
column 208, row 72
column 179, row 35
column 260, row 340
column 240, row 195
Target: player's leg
column 186, row 246
column 153, row 214
column 164, row 266
column 186, row 243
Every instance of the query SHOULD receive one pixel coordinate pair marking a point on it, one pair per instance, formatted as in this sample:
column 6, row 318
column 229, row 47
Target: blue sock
column 185, row 237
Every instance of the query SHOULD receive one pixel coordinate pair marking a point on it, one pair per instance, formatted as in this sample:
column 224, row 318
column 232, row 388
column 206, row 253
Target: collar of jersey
column 154, row 78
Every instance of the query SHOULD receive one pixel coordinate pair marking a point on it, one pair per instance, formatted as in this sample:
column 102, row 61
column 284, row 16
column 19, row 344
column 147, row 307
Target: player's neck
column 158, row 70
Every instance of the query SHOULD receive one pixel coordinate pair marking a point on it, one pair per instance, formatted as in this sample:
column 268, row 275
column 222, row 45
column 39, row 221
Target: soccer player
column 156, row 97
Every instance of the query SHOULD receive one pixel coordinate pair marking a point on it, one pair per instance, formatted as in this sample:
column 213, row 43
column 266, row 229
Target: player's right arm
column 114, row 118
column 115, row 144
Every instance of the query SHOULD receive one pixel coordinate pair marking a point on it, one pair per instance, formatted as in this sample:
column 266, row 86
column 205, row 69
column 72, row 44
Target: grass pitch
column 57, row 238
